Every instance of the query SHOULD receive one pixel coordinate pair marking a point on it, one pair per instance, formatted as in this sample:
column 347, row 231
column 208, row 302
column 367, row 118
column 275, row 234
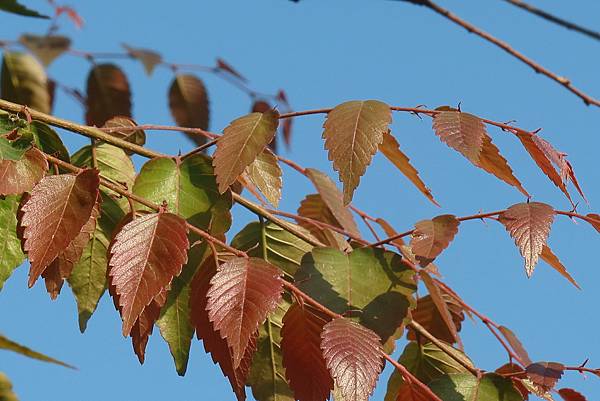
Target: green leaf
column 14, row 7
column 267, row 375
column 11, row 255
column 88, row 278
column 174, row 321
column 9, row 345
column 374, row 281
column 24, row 81
column 46, row 139
column 284, row 249
column 427, row 362
column 190, row 190
column 466, row 387
column 6, row 390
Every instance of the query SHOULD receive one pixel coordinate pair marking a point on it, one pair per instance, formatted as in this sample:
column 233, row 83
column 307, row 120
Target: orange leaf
column 491, row 161
column 427, row 315
column 553, row 261
column 440, row 304
column 431, row 237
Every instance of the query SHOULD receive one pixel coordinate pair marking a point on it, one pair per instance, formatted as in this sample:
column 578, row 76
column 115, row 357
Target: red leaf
column 303, row 360
column 568, row 394
column 212, row 340
column 431, row 237
column 515, row 344
column 529, row 225
column 441, row 305
column 142, row 329
column 54, row 215
column 516, row 375
column 353, row 356
column 410, row 392
column 242, row 293
column 427, row 315
column 594, row 220
column 18, row 176
column 549, row 257
column 145, row 256
column 71, row 13
column 545, row 374
column 222, row 65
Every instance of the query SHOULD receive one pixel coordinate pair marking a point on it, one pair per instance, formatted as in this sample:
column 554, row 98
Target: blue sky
column 324, row 53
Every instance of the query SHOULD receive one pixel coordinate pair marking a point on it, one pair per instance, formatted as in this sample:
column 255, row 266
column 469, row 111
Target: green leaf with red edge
column 353, row 356
column 431, row 237
column 108, row 94
column 352, row 132
column 465, row 386
column 18, row 176
column 333, row 198
column 314, row 208
column 213, row 342
column 253, row 289
column 441, row 305
column 144, row 257
column 242, row 141
column 391, row 150
column 149, row 58
column 188, row 101
column 427, row 315
column 305, row 367
column 264, row 172
column 64, row 203
column 24, row 81
column 549, row 257
column 61, row 268
column 137, row 136
column 545, row 374
column 515, row 344
column 46, row 48
column 463, row 132
column 10, row 244
column 529, row 225
column 568, row 394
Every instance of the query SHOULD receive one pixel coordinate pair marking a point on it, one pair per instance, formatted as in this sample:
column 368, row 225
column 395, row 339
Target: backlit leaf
column 144, row 257
column 46, row 48
column 6, row 389
column 137, row 136
column 11, row 255
column 462, row 132
column 265, row 173
column 515, row 344
column 431, row 237
column 465, row 386
column 352, row 353
column 391, row 150
column 333, row 198
column 529, row 225
column 492, row 161
column 18, row 176
column 568, row 394
column 108, row 94
column 9, row 345
column 242, row 293
column 242, row 141
column 188, row 101
column 314, row 208
column 441, row 305
column 305, row 367
column 144, row 325
column 24, row 81
column 149, row 58
column 549, row 257
column 412, row 392
column 13, row 6
column 352, row 132
column 427, row 315
column 64, row 204
column 545, row 374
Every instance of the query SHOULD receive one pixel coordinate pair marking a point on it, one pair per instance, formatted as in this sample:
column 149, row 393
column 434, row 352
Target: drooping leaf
column 24, row 81
column 515, row 344
column 314, row 208
column 353, row 356
column 427, row 315
column 568, row 394
column 465, row 386
column 492, row 161
column 64, row 203
column 137, row 136
column 391, row 150
column 303, row 360
column 440, row 304
column 6, row 389
column 242, row 293
column 149, row 58
column 108, row 94
column 372, row 281
column 529, row 225
column 462, row 132
column 11, row 255
column 549, row 257
column 333, row 198
column 188, row 101
column 426, row 362
column 88, row 278
column 286, row 125
column 545, row 374
column 223, row 65
column 594, row 220
column 144, row 325
column 265, row 173
column 46, row 48
column 352, row 132
column 144, row 257
column 284, row 249
column 9, row 345
column 189, row 189
column 18, row 176
column 431, row 237
column 242, row 141
column 14, row 7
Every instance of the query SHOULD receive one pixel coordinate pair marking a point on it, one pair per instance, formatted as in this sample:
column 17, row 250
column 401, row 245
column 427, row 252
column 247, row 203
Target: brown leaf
column 412, row 392
column 144, row 325
column 463, row 132
column 332, row 197
column 545, row 374
column 352, row 353
column 145, row 255
column 352, row 132
column 305, row 367
column 391, row 149
column 108, row 94
column 242, row 141
column 242, row 293
column 264, row 172
column 529, row 225
column 431, row 237
column 137, row 136
column 553, row 261
column 188, row 101
column 427, row 315
column 149, row 58
column 491, row 161
column 18, row 176
column 222, row 65
column 440, row 304
column 54, row 214
column 46, row 48
column 515, row 344
column 568, row 394
column 594, row 220
column 314, row 208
